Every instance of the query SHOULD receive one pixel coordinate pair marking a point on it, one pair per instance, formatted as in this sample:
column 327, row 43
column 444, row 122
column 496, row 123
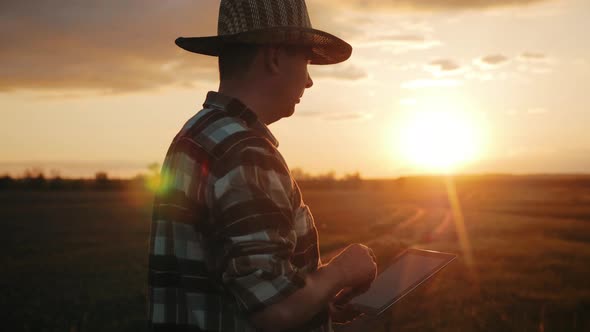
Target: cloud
column 113, row 46
column 444, row 67
column 429, row 5
column 431, row 83
column 336, row 20
column 309, row 114
column 535, row 63
column 343, row 71
column 397, row 42
column 335, row 116
column 403, row 66
column 417, row 25
column 534, row 69
column 485, row 76
column 347, row 116
column 491, row 61
column 532, row 56
column 402, row 38
column 107, row 46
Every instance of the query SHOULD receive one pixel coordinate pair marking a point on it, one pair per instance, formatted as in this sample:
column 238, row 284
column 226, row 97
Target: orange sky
column 101, row 86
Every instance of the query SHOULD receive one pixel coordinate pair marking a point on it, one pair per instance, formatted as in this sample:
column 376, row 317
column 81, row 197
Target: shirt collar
column 235, row 107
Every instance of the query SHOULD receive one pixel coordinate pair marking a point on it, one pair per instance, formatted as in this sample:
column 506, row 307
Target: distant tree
column 352, row 177
column 55, row 181
column 6, row 182
column 34, row 178
column 299, row 174
column 101, row 179
column 328, row 177
column 352, row 180
column 54, row 173
column 33, row 173
column 326, row 180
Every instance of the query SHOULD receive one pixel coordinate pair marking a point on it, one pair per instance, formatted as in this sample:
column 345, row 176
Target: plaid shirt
column 230, row 232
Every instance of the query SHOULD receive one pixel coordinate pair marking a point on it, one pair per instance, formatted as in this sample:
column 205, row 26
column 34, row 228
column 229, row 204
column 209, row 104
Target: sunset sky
column 99, row 85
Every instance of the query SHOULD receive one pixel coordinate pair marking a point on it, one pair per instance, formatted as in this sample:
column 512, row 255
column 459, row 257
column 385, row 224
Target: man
column 233, row 246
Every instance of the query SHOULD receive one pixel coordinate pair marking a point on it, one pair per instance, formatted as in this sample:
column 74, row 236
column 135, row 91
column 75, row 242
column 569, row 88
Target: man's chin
column 290, row 111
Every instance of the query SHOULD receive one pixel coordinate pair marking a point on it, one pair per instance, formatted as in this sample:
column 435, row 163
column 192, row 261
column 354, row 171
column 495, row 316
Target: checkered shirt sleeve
column 252, row 204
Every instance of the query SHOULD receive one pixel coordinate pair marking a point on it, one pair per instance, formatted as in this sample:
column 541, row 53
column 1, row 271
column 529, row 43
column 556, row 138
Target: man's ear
column 271, row 57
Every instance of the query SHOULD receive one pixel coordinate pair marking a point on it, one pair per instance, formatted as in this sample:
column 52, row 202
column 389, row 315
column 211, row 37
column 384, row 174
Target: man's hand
column 343, row 313
column 354, row 269
column 348, row 294
column 357, row 266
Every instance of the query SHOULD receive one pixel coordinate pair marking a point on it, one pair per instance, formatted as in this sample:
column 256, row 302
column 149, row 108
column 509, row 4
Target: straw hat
column 280, row 22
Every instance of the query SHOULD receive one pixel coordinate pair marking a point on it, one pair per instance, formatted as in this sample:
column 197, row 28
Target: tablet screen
column 407, row 271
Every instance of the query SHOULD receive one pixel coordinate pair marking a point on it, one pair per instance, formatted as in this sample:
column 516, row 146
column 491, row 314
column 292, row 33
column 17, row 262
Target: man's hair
column 235, row 60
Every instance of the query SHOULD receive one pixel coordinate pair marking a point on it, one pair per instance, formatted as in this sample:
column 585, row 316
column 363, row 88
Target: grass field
column 76, row 261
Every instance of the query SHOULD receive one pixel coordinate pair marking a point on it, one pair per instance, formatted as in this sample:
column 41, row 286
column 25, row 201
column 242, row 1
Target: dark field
column 76, row 261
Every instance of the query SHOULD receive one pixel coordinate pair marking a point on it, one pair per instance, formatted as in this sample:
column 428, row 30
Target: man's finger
column 372, row 253
column 344, row 296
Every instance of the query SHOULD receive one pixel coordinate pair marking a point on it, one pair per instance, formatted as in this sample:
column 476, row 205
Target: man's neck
column 251, row 98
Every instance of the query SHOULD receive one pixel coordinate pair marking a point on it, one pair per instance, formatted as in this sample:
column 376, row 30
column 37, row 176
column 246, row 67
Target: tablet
column 406, row 272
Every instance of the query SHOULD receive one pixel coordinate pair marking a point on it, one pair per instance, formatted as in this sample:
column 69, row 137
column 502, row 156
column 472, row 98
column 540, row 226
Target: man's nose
column 309, row 82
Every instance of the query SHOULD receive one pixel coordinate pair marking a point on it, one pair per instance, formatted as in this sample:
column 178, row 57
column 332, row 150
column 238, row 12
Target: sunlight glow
column 457, row 214
column 439, row 138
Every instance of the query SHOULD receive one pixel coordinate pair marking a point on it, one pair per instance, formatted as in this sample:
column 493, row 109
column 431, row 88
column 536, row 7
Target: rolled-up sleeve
column 253, row 227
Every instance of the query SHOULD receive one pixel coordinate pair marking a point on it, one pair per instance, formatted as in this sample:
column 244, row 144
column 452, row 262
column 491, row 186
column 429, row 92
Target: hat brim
column 325, row 48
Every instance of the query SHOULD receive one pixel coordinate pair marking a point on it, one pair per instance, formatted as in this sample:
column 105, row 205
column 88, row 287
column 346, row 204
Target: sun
column 439, row 141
